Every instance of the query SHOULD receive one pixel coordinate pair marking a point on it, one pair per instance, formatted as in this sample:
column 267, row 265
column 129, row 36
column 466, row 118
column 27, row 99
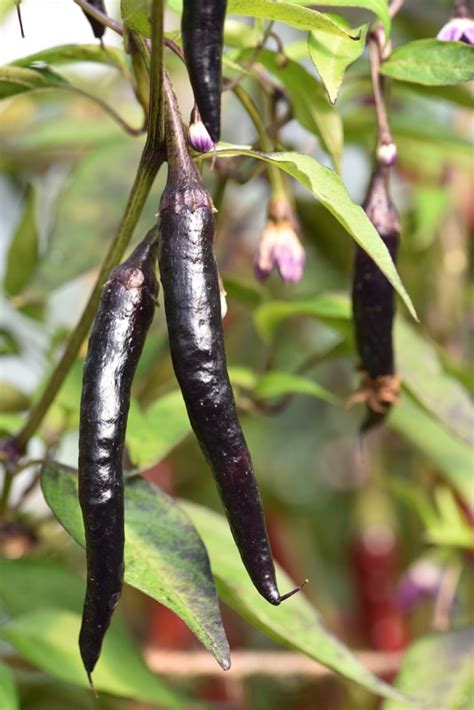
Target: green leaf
column 153, row 434
column 249, row 293
column 309, row 101
column 378, row 7
column 8, row 343
column 331, row 55
column 23, row 253
column 71, row 53
column 280, row 384
column 47, row 638
column 324, row 305
column 135, row 15
column 450, row 689
column 164, row 556
column 295, row 623
column 329, row 189
column 425, row 377
column 291, row 14
column 431, row 62
column 12, row 399
column 18, row 80
column 9, row 699
column 31, row 584
column 450, row 456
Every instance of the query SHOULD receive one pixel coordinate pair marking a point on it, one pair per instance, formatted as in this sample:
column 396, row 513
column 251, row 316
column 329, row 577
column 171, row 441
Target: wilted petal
column 459, row 29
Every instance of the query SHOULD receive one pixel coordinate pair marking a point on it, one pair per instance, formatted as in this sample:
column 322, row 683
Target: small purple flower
column 422, row 580
column 199, row 138
column 280, row 248
column 459, row 29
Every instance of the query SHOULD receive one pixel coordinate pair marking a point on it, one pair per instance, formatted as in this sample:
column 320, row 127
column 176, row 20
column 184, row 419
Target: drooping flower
column 458, row 29
column 279, row 246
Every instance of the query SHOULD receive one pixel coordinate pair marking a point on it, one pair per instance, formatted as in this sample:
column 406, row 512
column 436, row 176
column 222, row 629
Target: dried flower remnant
column 459, row 29
column 421, row 581
column 279, row 245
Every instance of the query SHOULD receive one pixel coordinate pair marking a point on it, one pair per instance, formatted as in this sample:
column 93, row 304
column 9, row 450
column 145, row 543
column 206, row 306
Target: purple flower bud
column 199, row 138
column 421, row 580
column 459, row 29
column 280, row 248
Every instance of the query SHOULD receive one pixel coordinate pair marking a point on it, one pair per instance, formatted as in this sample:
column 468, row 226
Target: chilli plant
column 274, row 292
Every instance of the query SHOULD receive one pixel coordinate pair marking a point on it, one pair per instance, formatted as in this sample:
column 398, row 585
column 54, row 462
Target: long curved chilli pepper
column 373, row 305
column 193, row 312
column 116, row 342
column 97, row 27
column 202, row 27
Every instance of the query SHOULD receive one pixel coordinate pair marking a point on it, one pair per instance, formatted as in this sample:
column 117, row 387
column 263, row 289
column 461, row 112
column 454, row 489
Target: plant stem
column 151, row 159
column 274, row 175
column 384, row 136
column 6, row 488
column 100, row 16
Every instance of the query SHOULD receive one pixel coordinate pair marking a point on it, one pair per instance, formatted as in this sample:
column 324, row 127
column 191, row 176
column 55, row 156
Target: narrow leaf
column 453, row 687
column 71, row 53
column 164, row 556
column 23, row 253
column 329, row 189
column 431, row 62
column 280, row 384
column 295, row 623
column 9, row 699
column 47, row 638
column 378, row 7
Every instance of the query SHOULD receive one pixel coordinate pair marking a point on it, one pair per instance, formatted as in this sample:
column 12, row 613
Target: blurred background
column 365, row 522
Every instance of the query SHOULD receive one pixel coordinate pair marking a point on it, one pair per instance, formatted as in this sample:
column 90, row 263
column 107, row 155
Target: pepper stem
column 286, row 596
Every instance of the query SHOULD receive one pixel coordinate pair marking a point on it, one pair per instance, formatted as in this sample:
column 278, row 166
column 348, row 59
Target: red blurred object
column 375, row 565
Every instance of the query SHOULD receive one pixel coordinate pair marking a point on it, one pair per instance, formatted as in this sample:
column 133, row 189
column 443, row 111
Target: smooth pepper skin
column 373, row 297
column 192, row 301
column 202, row 27
column 124, row 315
column 193, row 313
column 97, row 27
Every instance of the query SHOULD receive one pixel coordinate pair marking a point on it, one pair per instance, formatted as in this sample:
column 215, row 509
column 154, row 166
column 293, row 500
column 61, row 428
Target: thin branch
column 384, row 136
column 395, row 7
column 100, row 16
column 275, row 664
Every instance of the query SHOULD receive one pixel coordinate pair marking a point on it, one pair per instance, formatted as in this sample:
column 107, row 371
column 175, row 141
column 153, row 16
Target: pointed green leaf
column 23, row 253
column 331, row 55
column 135, row 15
column 329, row 189
column 294, row 623
column 164, row 556
column 431, row 62
column 9, row 699
column 153, row 434
column 450, row 689
column 47, row 638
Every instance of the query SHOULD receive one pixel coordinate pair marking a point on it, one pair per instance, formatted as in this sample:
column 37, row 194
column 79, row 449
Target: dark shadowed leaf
column 164, row 556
